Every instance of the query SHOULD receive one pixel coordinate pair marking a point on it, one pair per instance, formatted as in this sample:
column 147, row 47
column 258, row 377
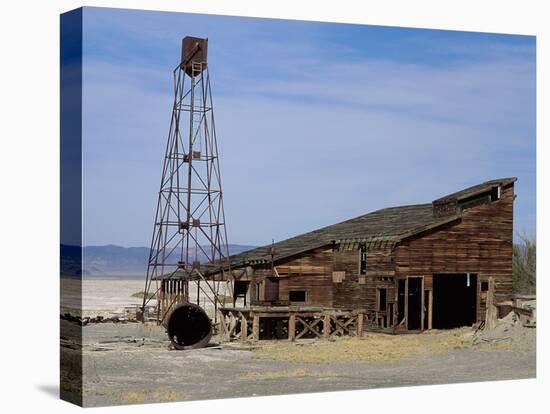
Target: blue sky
column 316, row 122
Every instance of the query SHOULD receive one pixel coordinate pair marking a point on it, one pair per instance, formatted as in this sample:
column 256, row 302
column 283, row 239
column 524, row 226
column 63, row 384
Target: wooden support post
column 223, row 328
column 198, row 292
column 291, row 327
column 360, row 317
column 256, row 328
column 244, row 328
column 430, row 306
column 326, row 326
column 232, row 323
column 422, row 304
column 491, row 313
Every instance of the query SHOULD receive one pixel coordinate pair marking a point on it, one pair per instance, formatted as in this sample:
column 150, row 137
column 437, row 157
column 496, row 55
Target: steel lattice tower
column 189, row 234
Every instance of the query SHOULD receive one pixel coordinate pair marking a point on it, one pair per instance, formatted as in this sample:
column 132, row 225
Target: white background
column 29, row 223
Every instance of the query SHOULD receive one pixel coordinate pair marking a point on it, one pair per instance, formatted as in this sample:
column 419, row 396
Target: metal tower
column 189, row 234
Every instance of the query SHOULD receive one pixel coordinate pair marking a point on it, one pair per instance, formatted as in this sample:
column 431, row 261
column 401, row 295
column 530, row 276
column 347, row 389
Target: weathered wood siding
column 481, row 242
column 312, row 272
column 348, row 292
column 359, row 291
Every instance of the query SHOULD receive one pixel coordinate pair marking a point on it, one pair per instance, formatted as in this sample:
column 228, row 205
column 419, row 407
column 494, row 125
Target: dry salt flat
column 109, row 295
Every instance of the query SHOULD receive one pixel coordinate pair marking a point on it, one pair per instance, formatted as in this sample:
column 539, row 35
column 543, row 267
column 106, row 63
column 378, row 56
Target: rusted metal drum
column 188, row 327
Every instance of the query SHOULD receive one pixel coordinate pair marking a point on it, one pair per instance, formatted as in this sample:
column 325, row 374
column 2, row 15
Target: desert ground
column 125, row 363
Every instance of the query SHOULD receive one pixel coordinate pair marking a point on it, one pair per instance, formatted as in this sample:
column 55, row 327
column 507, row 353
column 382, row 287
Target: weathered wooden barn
column 409, row 268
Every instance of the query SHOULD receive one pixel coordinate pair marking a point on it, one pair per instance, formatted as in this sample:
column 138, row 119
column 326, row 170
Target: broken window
column 495, row 193
column 363, row 260
column 491, row 195
column 484, row 286
column 297, row 295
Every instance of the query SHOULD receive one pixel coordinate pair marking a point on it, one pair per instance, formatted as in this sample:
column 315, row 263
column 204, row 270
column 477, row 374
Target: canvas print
column 264, row 207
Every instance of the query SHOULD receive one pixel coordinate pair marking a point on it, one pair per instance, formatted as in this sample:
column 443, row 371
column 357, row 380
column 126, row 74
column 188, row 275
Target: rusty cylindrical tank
column 194, row 50
column 188, row 327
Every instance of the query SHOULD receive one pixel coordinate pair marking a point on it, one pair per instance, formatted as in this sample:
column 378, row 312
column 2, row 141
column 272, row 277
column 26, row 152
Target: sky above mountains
column 316, row 122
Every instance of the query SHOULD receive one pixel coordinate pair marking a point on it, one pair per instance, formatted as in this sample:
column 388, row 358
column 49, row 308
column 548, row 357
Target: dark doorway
column 454, row 300
column 241, row 289
column 414, row 306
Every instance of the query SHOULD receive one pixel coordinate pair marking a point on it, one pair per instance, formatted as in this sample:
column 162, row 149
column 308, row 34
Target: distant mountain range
column 112, row 260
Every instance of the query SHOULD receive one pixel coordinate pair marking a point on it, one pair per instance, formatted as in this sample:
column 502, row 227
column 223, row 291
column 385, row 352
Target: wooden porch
column 289, row 322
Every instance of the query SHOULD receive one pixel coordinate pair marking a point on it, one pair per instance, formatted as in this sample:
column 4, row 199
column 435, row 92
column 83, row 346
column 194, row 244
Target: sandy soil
column 132, row 363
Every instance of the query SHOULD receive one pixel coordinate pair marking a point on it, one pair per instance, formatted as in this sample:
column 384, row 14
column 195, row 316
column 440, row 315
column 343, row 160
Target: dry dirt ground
column 132, row 363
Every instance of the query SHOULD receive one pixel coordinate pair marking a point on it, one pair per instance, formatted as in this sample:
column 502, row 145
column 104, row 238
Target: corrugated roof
column 389, row 224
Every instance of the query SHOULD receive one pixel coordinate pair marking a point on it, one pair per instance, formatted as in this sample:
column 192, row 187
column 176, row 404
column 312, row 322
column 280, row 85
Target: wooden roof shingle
column 388, row 224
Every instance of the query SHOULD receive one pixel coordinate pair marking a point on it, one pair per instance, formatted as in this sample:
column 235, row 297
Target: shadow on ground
column 49, row 389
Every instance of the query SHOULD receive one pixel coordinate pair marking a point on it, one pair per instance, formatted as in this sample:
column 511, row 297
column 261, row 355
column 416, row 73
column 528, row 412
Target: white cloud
column 324, row 143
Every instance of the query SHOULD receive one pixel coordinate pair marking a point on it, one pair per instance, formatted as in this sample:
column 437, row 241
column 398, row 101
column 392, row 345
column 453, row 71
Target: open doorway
column 409, row 303
column 454, row 300
column 240, row 291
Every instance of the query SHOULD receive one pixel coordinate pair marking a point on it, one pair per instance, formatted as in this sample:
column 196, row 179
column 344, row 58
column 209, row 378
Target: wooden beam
column 491, row 312
column 223, row 326
column 430, row 308
column 360, row 317
column 342, row 327
column 232, row 324
column 244, row 328
column 308, row 327
column 422, row 304
column 256, row 328
column 326, row 326
column 478, row 297
column 291, row 327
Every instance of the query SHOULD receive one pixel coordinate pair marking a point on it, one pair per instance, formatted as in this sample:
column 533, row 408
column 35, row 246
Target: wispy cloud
column 308, row 137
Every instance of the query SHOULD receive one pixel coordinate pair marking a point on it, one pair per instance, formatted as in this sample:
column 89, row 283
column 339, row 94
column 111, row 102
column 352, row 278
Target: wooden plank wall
column 481, row 243
column 258, row 283
column 312, row 272
column 348, row 293
column 352, row 292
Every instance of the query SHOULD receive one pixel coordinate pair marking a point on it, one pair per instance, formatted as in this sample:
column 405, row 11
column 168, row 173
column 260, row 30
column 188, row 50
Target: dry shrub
column 524, row 266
